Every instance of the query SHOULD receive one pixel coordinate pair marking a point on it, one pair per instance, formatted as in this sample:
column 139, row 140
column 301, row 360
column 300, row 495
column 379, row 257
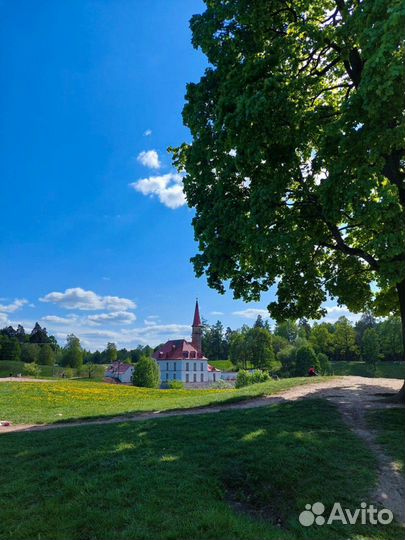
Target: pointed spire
column 197, row 318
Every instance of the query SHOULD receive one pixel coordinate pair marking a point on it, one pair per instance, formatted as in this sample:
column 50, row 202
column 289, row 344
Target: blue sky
column 95, row 234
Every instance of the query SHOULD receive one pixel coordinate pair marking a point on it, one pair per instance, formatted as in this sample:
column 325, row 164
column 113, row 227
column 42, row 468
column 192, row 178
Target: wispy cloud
column 14, row 306
column 217, row 313
column 121, row 317
column 251, row 313
column 59, row 320
column 78, row 298
column 149, row 158
column 167, row 187
column 147, row 132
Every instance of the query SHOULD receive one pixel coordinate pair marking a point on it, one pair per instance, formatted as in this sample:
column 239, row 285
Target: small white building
column 120, row 373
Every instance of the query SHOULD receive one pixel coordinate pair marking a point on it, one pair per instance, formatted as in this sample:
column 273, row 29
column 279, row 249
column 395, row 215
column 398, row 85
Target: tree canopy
column 296, row 164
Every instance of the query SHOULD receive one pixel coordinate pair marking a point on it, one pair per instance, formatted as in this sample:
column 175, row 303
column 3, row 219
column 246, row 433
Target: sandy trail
column 353, row 396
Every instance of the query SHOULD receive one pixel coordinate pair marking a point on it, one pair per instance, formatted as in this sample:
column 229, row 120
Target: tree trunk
column 401, row 296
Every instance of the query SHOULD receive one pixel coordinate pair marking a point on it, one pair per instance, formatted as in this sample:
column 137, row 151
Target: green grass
column 36, row 402
column 243, row 474
column 390, row 370
column 223, row 365
column 390, row 427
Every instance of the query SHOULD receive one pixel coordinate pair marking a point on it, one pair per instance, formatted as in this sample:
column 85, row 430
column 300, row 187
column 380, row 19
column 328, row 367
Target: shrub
column 32, row 370
column 306, row 358
column 245, row 378
column 146, row 373
column 175, row 385
column 68, row 373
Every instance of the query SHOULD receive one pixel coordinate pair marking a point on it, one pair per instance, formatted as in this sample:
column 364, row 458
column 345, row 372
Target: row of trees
column 369, row 339
column 259, row 346
column 37, row 347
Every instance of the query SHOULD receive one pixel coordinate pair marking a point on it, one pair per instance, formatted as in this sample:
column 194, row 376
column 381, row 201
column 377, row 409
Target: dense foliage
column 296, row 165
column 146, row 373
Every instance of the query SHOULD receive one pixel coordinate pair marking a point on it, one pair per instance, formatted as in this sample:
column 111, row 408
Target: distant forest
column 368, row 339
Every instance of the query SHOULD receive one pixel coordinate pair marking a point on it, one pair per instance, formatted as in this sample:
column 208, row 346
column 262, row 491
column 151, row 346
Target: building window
column 215, row 377
column 167, row 376
column 174, row 366
column 174, row 376
column 187, row 377
column 202, row 366
column 185, row 354
column 167, row 366
column 192, row 354
column 195, row 366
column 202, row 377
column 187, row 366
column 195, row 377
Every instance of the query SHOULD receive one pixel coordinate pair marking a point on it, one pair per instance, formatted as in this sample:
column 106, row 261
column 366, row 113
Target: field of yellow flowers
column 49, row 402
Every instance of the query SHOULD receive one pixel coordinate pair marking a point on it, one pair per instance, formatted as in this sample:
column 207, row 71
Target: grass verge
column 49, row 402
column 243, row 474
column 390, row 427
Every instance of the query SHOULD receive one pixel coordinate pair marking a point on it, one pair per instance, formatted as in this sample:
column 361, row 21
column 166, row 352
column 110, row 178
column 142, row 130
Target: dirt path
column 24, row 379
column 352, row 395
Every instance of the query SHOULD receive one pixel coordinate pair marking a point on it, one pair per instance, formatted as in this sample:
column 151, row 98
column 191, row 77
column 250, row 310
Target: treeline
column 368, row 339
column 37, row 347
column 111, row 354
column 288, row 345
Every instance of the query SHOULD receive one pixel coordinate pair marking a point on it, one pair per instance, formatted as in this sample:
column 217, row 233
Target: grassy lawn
column 390, row 427
column 243, row 474
column 67, row 400
column 390, row 370
column 223, row 365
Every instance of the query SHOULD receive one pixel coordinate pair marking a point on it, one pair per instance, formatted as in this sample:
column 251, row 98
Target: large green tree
column 72, row 355
column 296, row 164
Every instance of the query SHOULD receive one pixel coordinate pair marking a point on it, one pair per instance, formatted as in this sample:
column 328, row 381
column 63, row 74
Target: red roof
column 118, row 368
column 177, row 349
column 197, row 318
column 212, row 368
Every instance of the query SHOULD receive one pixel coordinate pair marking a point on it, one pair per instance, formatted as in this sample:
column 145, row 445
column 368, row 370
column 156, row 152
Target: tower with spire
column 183, row 360
column 196, row 332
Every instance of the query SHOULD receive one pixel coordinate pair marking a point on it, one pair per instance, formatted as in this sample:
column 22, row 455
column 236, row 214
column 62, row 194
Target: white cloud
column 217, row 313
column 59, row 320
column 147, row 133
column 334, row 312
column 123, row 317
column 14, row 306
column 149, row 158
column 78, row 298
column 167, row 187
column 251, row 313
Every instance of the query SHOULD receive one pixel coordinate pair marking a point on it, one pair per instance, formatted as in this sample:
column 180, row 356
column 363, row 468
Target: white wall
column 177, row 370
